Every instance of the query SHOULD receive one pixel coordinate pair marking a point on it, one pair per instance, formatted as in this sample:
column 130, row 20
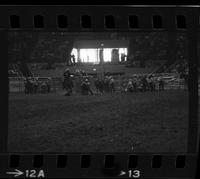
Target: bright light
column 107, row 54
column 88, row 55
column 122, row 51
column 75, row 53
column 92, row 55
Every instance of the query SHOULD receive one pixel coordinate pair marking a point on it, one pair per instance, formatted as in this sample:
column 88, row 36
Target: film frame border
column 145, row 24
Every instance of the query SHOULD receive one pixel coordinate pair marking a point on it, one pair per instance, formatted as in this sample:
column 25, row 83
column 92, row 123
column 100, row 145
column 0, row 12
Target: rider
column 68, row 83
column 112, row 84
column 85, row 87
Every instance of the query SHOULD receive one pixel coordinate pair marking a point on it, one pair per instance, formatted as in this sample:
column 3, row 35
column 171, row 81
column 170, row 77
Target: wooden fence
column 16, row 84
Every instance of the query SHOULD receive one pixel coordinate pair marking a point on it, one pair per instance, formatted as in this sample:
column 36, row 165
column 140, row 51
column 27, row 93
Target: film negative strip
column 99, row 91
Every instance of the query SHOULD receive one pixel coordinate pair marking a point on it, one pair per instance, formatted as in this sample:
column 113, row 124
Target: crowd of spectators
column 143, row 83
column 34, row 86
column 13, row 71
column 180, row 66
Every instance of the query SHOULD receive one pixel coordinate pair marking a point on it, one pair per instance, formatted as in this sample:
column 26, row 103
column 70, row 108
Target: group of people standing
column 143, row 84
column 68, row 84
column 136, row 84
column 34, row 86
column 71, row 60
column 108, row 84
column 102, row 85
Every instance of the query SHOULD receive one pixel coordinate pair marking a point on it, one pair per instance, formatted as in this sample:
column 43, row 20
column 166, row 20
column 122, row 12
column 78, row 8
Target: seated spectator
column 43, row 87
column 130, row 86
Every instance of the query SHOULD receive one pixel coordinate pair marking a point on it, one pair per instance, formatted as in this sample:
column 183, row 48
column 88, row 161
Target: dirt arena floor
column 138, row 122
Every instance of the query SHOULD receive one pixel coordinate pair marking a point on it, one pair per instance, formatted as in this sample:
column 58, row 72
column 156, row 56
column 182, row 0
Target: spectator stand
column 14, row 71
column 17, row 84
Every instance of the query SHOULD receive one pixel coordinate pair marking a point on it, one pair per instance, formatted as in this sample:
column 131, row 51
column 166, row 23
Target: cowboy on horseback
column 68, row 83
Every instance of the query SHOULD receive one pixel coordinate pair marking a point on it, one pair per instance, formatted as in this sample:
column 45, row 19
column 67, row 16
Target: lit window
column 75, row 53
column 107, row 54
column 92, row 55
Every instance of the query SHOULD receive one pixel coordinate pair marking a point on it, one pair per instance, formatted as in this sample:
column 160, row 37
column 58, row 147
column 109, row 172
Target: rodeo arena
column 97, row 67
column 86, row 82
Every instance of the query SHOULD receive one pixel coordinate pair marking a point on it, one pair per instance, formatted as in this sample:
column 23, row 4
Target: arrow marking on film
column 16, row 173
column 122, row 173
